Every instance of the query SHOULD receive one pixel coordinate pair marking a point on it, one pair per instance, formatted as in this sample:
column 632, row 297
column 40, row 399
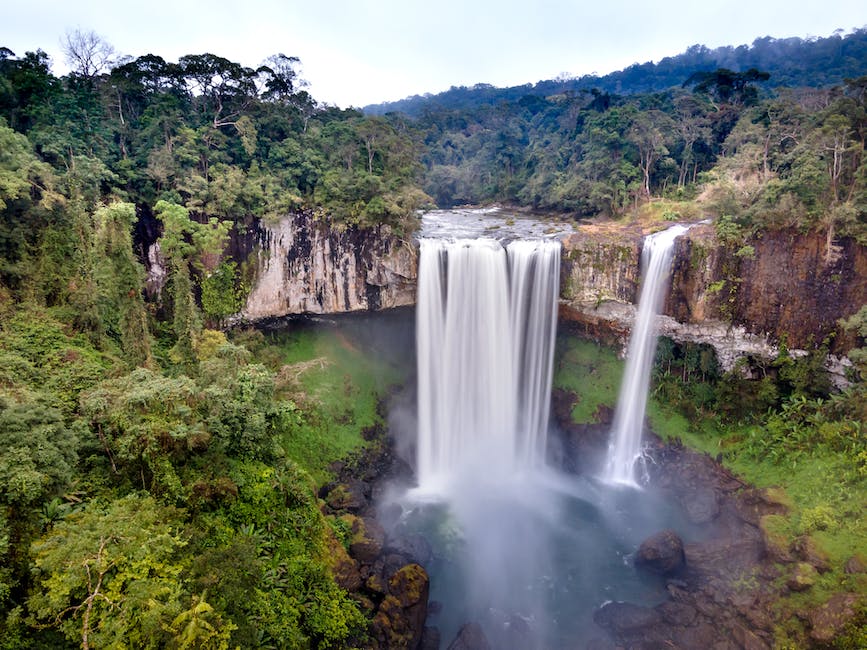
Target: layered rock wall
column 783, row 287
column 305, row 268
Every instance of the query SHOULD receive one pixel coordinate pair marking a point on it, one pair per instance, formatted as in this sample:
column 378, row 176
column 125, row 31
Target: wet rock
column 701, row 505
column 430, row 639
column 679, row 614
column 661, row 553
column 828, row 621
column 470, row 637
column 803, row 577
column 399, row 622
column 350, row 495
column 517, row 633
column 747, row 639
column 626, row 617
column 383, row 568
column 412, row 546
column 367, row 540
column 390, row 515
column 854, row 565
column 601, row 644
column 806, row 549
column 703, row 635
column 724, row 557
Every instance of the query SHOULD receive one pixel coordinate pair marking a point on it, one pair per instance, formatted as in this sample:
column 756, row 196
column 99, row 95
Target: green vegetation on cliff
column 175, row 506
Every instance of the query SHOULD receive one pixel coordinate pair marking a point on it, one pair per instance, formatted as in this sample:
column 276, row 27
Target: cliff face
column 788, row 289
column 304, row 268
column 600, row 265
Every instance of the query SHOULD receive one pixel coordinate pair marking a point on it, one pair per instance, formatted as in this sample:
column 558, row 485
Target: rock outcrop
column 781, row 287
column 661, row 553
column 304, row 267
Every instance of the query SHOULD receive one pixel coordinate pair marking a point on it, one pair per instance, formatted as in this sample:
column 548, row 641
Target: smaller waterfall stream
column 625, row 447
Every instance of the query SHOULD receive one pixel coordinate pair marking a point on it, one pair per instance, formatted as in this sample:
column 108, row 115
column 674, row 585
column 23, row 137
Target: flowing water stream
column 519, row 548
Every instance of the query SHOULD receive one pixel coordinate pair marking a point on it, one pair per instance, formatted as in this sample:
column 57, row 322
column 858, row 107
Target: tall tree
column 120, row 279
column 87, row 53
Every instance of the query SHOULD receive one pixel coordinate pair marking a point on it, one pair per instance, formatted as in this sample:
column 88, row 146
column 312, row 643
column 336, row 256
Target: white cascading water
column 625, row 447
column 486, row 320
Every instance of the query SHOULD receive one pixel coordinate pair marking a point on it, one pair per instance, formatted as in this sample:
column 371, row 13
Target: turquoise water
column 539, row 555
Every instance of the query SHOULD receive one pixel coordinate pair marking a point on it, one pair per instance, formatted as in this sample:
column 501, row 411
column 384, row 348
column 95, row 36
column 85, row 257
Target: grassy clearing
column 590, row 371
column 336, row 382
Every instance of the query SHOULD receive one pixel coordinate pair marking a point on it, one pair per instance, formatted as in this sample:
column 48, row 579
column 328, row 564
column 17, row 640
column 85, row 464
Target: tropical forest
column 230, row 345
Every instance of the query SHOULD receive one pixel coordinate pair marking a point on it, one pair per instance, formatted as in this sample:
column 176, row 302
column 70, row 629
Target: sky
column 359, row 52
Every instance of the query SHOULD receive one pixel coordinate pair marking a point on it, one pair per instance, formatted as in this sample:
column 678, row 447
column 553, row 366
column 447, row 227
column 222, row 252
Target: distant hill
column 791, row 62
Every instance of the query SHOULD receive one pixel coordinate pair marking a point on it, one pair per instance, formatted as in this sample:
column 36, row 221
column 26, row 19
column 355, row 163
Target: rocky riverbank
column 384, row 572
column 722, row 590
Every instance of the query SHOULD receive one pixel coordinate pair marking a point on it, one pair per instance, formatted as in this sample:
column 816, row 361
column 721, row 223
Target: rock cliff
column 306, row 268
column 782, row 287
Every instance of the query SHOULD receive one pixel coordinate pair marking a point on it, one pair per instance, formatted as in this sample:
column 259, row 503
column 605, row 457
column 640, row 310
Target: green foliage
column 107, row 576
column 337, row 389
column 220, row 297
column 285, row 586
column 858, row 323
column 37, row 353
column 589, row 371
column 242, row 410
column 37, row 450
column 119, row 278
column 820, row 517
column 147, row 424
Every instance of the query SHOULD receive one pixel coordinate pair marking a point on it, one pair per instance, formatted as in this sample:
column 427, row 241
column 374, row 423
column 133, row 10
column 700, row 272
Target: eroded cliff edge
column 785, row 286
column 305, row 267
column 743, row 299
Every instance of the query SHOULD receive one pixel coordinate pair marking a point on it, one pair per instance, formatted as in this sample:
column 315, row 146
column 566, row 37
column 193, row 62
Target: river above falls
column 494, row 223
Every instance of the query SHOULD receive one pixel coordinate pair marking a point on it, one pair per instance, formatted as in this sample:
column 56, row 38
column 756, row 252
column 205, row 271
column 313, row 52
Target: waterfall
column 625, row 447
column 485, row 326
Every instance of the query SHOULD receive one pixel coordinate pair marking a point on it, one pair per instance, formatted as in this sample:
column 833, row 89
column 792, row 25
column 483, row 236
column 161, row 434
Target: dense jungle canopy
column 157, row 480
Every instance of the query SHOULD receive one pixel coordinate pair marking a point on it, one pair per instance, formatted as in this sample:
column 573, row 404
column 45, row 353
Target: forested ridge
column 157, row 475
column 793, row 62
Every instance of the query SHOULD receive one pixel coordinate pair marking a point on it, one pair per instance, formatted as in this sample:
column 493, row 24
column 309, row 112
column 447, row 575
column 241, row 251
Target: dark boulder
column 626, row 618
column 381, row 571
column 350, row 495
column 470, row 637
column 399, row 622
column 661, row 553
column 412, row 546
column 367, row 540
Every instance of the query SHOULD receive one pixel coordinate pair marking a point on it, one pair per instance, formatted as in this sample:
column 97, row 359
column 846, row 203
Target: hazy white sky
column 358, row 52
